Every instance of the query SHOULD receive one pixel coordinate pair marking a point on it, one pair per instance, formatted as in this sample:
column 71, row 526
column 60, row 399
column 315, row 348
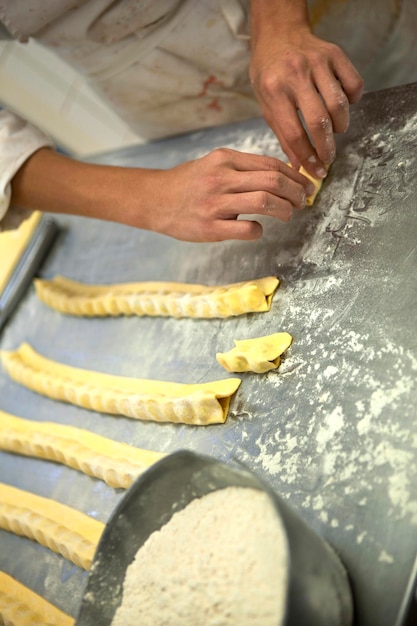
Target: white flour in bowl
column 220, row 561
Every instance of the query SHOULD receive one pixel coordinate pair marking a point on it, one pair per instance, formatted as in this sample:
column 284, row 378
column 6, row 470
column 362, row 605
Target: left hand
column 296, row 72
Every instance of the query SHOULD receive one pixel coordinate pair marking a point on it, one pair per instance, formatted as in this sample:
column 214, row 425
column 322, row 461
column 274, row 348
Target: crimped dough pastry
column 255, row 355
column 60, row 528
column 118, row 464
column 20, row 606
column 198, row 404
column 157, row 298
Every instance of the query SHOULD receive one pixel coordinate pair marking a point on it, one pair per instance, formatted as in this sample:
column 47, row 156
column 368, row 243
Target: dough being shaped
column 198, row 404
column 255, row 355
column 157, row 298
column 118, row 464
column 12, row 245
column 56, row 526
column 20, row 606
column 317, row 182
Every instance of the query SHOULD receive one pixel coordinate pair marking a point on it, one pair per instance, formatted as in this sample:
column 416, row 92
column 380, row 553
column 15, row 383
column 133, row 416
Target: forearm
column 18, row 141
column 51, row 182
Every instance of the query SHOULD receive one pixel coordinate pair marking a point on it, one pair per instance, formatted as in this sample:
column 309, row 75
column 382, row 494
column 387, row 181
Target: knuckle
column 301, row 200
column 294, row 135
column 219, row 156
column 264, row 202
column 211, row 182
column 337, row 102
column 319, row 57
column 295, row 62
column 286, row 212
column 317, row 124
column 272, row 179
column 333, row 49
column 358, row 84
column 268, row 83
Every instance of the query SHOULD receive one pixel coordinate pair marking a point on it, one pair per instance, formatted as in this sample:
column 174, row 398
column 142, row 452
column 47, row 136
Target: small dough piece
column 56, row 526
column 20, row 606
column 255, row 355
column 198, row 404
column 317, row 182
column 157, row 298
column 118, row 464
column 12, row 246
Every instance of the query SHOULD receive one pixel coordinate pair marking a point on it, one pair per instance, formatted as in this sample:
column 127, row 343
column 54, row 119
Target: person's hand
column 202, row 200
column 198, row 200
column 294, row 72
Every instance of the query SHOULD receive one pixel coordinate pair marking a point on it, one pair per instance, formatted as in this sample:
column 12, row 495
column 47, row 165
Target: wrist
column 278, row 17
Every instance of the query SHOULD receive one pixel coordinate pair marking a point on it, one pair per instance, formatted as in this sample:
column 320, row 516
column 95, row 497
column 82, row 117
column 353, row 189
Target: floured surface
column 333, row 429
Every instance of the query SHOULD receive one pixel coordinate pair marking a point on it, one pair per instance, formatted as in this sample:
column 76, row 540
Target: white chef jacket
column 170, row 66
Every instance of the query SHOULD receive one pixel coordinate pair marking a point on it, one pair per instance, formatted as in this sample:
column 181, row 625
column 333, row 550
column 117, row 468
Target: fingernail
column 310, row 189
column 320, row 172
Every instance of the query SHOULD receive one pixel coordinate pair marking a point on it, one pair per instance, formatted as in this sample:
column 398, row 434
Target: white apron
column 169, row 66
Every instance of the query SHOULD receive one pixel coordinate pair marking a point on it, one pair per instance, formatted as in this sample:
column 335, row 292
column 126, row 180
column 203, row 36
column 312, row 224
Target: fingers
column 326, row 109
column 319, row 123
column 271, row 192
column 293, row 136
column 264, row 185
column 335, row 101
column 273, row 189
column 262, row 203
column 338, row 84
column 350, row 80
column 305, row 92
column 244, row 230
column 208, row 196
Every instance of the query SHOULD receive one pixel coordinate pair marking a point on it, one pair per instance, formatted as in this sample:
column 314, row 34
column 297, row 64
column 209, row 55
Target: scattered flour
column 221, row 561
column 384, row 557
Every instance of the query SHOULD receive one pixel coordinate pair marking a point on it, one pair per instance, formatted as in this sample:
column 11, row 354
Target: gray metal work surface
column 334, row 429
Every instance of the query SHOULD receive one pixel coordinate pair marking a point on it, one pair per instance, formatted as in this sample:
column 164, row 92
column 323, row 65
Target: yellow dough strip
column 12, row 246
column 157, row 298
column 198, row 404
column 56, row 526
column 117, row 464
column 20, row 606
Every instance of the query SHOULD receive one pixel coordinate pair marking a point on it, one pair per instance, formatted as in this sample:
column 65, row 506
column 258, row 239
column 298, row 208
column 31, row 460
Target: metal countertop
column 334, row 429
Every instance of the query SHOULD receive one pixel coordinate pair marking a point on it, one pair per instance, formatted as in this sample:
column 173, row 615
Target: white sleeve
column 18, row 141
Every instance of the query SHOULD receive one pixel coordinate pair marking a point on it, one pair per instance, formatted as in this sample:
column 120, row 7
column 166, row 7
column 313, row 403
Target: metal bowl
column 318, row 587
